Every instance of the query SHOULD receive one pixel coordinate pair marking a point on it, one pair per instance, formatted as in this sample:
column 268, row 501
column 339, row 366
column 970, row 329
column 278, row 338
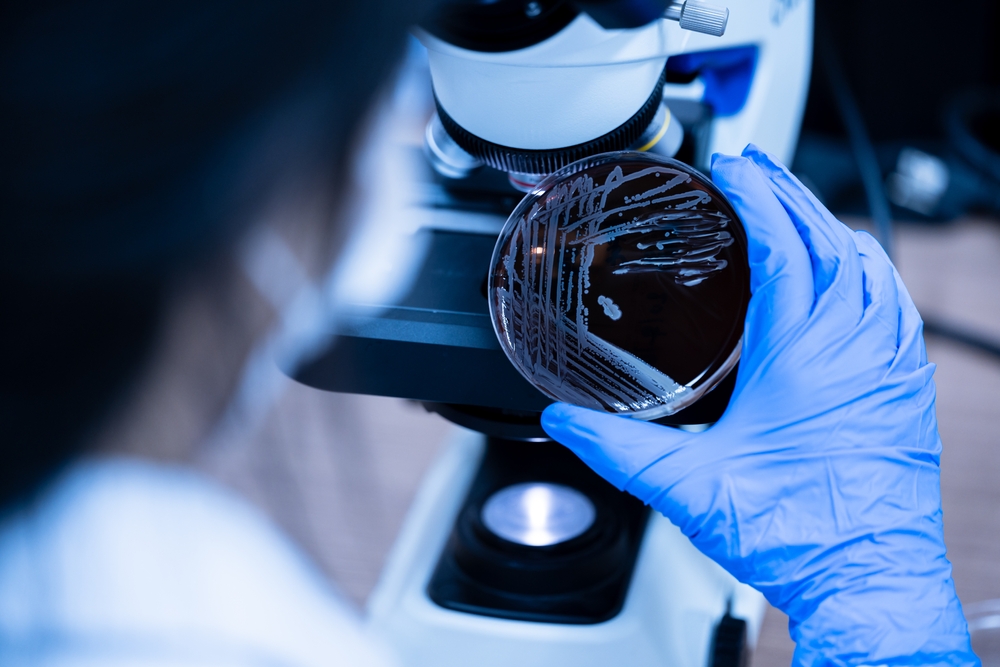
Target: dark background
column 904, row 59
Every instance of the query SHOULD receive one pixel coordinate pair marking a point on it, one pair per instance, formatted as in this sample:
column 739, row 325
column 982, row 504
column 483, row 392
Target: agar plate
column 621, row 283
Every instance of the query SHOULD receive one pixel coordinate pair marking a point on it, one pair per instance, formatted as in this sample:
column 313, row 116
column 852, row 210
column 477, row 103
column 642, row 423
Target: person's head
column 139, row 142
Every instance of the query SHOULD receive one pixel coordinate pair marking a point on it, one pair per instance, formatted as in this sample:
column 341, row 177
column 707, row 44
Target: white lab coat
column 129, row 563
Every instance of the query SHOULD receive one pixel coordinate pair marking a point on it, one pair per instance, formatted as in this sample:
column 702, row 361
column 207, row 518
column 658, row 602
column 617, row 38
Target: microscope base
column 676, row 599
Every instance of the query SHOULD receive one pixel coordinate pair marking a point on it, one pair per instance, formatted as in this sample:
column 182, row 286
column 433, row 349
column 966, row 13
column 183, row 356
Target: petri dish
column 621, row 283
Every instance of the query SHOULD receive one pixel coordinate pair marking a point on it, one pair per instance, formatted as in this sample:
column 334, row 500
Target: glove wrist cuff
column 911, row 620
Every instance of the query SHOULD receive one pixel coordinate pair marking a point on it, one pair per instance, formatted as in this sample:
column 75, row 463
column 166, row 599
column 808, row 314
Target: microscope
column 514, row 552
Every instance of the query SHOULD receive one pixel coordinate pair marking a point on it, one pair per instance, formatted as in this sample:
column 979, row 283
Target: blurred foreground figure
column 140, row 145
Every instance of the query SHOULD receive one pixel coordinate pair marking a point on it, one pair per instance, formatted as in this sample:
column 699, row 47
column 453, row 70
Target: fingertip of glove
column 745, row 185
column 722, row 159
column 865, row 240
column 572, row 425
column 758, row 155
column 556, row 414
column 558, row 419
column 734, row 174
column 721, row 164
column 768, row 163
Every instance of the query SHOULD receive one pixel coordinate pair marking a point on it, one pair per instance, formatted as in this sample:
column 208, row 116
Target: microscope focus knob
column 699, row 16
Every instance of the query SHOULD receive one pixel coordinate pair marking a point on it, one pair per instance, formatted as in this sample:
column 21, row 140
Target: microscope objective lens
column 621, row 283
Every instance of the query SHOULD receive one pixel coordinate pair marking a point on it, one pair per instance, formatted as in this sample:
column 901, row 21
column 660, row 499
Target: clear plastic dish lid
column 621, row 284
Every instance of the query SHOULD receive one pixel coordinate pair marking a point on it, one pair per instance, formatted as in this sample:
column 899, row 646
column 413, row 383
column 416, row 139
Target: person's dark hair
column 132, row 138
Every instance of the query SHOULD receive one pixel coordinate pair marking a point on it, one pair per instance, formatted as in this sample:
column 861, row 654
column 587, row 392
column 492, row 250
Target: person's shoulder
column 160, row 554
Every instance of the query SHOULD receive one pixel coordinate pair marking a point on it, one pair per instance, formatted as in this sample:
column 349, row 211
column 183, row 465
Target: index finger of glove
column 836, row 265
column 780, row 269
column 881, row 295
column 616, row 448
column 912, row 353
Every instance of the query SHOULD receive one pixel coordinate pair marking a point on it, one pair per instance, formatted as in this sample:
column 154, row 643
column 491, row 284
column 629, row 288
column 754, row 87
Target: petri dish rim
column 545, row 185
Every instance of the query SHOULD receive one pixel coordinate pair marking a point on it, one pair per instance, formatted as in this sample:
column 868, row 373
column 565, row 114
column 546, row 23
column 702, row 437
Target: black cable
column 955, row 334
column 861, row 145
column 871, row 179
column 971, row 111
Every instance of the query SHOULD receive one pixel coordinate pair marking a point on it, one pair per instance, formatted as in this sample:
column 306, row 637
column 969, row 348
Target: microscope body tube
column 570, row 89
column 585, row 81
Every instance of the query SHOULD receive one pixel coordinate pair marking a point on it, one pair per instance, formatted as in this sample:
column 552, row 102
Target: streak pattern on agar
column 543, row 272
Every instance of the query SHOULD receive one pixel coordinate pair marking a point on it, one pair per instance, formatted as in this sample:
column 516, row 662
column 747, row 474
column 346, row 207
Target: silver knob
column 447, row 157
column 699, row 16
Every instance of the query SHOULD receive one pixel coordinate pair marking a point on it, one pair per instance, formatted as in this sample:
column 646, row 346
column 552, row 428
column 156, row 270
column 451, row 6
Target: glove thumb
column 616, row 448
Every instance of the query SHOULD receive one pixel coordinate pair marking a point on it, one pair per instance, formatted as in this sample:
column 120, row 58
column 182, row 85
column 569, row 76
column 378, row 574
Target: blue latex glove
column 820, row 486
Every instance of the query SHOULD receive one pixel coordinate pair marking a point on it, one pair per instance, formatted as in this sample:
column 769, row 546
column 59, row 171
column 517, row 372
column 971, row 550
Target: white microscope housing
column 527, row 102
column 587, row 89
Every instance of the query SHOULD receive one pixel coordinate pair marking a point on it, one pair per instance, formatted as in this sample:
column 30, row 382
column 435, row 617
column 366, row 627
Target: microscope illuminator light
column 538, row 514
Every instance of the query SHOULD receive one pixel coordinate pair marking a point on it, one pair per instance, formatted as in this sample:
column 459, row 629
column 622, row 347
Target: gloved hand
column 820, row 486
